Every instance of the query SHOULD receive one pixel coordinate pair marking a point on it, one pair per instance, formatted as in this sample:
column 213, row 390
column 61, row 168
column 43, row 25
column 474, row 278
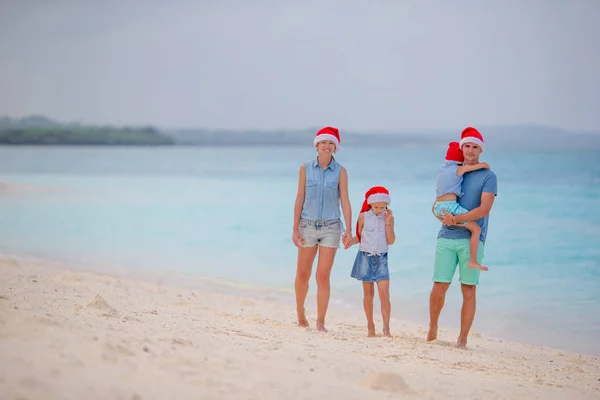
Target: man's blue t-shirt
column 474, row 184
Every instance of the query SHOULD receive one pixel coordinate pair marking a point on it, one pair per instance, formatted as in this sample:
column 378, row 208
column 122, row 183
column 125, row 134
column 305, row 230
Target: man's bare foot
column 321, row 327
column 432, row 334
column 386, row 331
column 371, row 329
column 461, row 343
column 476, row 265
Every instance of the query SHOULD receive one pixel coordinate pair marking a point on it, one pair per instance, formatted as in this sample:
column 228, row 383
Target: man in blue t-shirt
column 479, row 189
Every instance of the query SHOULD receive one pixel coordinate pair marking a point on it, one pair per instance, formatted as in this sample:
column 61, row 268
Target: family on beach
column 465, row 192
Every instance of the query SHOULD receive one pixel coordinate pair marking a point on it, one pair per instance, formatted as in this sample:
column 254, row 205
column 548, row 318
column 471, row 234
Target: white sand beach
column 66, row 334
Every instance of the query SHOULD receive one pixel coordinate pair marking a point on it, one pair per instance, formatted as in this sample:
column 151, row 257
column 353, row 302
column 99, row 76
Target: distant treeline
column 82, row 135
column 40, row 130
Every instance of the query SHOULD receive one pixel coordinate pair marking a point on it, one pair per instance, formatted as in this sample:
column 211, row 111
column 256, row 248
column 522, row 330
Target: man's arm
column 487, row 201
column 463, row 169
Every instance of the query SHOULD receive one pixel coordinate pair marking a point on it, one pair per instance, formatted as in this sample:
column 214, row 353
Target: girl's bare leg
column 475, row 230
column 324, row 265
column 383, row 287
column 369, row 294
column 306, row 257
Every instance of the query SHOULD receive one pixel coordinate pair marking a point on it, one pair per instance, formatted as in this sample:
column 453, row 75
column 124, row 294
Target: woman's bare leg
column 306, row 257
column 324, row 265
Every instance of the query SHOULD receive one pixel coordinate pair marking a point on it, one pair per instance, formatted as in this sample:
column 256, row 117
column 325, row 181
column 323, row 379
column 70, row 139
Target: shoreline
column 341, row 302
column 67, row 333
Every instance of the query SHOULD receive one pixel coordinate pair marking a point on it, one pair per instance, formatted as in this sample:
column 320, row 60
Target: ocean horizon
column 226, row 213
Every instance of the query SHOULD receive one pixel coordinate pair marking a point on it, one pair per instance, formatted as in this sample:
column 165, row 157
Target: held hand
column 346, row 242
column 447, row 219
column 346, row 237
column 486, row 165
column 388, row 216
column 350, row 242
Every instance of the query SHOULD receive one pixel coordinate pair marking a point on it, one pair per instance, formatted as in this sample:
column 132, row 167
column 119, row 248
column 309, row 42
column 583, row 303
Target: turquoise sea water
column 227, row 213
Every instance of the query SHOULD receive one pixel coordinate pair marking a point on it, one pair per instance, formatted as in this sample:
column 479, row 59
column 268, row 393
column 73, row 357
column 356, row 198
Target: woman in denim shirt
column 322, row 186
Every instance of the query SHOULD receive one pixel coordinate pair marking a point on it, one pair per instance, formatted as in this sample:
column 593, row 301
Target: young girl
column 374, row 232
column 448, row 188
column 322, row 189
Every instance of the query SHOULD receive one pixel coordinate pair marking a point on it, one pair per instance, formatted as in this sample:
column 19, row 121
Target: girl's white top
column 372, row 237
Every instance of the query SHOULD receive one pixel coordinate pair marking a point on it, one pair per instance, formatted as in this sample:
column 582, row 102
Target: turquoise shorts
column 452, row 252
column 450, row 206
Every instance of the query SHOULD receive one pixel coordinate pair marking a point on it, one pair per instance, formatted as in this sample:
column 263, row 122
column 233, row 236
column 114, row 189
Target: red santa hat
column 329, row 133
column 454, row 153
column 374, row 195
column 471, row 135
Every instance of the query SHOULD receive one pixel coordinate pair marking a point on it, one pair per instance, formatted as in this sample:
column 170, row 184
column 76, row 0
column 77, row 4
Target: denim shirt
column 448, row 180
column 321, row 192
column 372, row 236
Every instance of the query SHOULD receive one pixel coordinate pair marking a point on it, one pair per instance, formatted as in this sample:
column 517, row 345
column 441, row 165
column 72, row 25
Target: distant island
column 40, row 130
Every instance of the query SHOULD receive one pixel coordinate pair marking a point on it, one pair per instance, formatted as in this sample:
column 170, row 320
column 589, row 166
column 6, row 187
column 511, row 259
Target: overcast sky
column 389, row 65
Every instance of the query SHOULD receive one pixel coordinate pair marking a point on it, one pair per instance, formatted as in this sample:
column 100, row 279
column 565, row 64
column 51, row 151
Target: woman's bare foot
column 371, row 330
column 476, row 265
column 302, row 321
column 386, row 331
column 461, row 343
column 321, row 327
column 432, row 334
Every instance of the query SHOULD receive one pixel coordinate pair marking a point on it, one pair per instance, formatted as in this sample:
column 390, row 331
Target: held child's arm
column 463, row 169
column 390, row 235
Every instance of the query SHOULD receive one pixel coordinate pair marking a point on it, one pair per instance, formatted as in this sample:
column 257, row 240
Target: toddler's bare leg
column 383, row 287
column 369, row 291
column 475, row 230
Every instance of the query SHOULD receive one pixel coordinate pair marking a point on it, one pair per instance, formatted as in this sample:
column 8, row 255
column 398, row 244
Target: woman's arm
column 298, row 206
column 361, row 224
column 345, row 201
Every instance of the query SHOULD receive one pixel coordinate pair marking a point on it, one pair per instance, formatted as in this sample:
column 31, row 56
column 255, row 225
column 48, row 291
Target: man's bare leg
column 324, row 265
column 475, row 230
column 436, row 303
column 306, row 257
column 369, row 294
column 467, row 313
column 383, row 287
